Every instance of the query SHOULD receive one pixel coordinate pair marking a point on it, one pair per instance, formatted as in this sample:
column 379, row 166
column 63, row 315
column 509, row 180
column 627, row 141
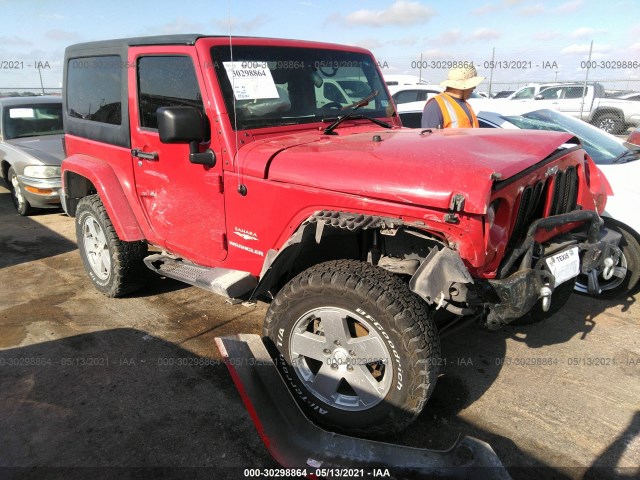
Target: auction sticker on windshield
column 251, row 80
column 565, row 265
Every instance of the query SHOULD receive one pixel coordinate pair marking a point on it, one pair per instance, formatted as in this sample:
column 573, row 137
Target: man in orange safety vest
column 450, row 109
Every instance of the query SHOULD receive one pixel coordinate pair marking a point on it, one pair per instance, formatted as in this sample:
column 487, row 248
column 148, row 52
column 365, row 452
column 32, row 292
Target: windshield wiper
column 365, row 101
column 626, row 154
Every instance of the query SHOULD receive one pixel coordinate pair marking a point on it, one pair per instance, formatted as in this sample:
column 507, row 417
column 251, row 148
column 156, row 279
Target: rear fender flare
column 83, row 174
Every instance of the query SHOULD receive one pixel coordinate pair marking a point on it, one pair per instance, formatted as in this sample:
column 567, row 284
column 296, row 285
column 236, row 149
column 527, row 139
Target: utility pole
column 586, row 77
column 41, row 84
column 493, row 56
column 420, row 77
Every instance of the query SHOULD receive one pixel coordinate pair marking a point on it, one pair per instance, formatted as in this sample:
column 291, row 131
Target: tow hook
column 545, row 295
column 607, row 269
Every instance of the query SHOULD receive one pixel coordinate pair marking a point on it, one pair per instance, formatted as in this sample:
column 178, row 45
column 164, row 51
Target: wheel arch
column 329, row 235
column 4, row 169
column 83, row 175
column 610, row 221
column 601, row 111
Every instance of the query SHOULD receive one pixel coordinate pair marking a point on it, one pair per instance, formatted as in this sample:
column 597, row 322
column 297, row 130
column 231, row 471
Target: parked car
column 589, row 103
column 502, row 94
column 529, row 91
column 410, row 98
column 344, row 91
column 31, row 151
column 400, row 80
column 634, row 137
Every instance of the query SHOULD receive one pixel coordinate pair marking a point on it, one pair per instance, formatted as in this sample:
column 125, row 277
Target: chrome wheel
column 96, row 248
column 18, row 199
column 341, row 358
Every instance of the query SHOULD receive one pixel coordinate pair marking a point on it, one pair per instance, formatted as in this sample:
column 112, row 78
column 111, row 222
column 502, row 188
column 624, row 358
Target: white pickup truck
column 589, row 103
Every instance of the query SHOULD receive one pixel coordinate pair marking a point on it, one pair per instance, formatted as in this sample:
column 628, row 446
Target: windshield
column 274, row 86
column 32, row 120
column 602, row 148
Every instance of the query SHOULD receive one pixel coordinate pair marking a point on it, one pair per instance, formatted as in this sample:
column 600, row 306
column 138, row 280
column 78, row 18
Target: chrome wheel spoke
column 309, row 344
column 620, row 272
column 334, row 325
column 366, row 387
column 326, row 381
column 369, row 347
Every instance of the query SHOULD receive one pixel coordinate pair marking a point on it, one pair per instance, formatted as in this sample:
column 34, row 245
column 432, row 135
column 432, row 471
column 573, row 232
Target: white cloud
column 449, row 37
column 532, row 10
column 13, row 40
column 401, row 12
column 65, row 35
column 635, row 48
column 179, row 25
column 544, row 36
column 370, row 43
column 484, row 9
column 55, row 16
column 240, row 27
column 485, row 34
column 583, row 48
column 569, row 7
column 586, row 32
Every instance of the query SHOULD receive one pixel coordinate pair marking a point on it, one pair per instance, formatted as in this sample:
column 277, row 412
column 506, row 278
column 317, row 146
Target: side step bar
column 222, row 281
column 295, row 442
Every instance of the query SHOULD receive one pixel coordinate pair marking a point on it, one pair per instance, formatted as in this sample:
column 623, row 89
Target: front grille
column 534, row 197
column 565, row 192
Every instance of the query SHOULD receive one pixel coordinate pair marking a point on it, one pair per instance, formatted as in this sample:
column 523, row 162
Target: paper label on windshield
column 21, row 113
column 251, row 80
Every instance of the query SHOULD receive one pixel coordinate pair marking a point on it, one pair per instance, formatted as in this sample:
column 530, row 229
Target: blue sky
column 548, row 33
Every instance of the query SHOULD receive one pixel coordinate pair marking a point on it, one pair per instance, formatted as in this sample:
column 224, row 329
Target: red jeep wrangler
column 277, row 170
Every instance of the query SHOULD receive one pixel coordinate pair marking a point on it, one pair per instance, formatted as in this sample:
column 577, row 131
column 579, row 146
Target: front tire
column 114, row 267
column 625, row 274
column 357, row 348
column 23, row 207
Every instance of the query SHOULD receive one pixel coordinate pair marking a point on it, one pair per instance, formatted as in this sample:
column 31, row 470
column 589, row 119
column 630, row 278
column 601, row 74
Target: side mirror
column 185, row 125
column 538, row 97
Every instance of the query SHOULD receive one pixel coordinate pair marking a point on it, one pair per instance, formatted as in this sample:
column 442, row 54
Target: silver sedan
column 31, row 151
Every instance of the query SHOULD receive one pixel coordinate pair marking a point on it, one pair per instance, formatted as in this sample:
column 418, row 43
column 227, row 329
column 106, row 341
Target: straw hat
column 462, row 78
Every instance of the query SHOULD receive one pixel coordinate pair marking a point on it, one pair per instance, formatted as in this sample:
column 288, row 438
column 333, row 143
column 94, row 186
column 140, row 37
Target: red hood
column 405, row 166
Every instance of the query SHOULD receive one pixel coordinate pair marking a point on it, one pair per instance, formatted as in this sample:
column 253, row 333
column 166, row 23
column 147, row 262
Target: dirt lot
column 134, row 384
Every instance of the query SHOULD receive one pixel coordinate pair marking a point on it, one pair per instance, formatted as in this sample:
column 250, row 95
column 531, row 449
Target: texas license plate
column 564, row 265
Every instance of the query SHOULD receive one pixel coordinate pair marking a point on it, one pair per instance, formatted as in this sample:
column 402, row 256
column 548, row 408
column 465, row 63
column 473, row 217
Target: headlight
column 41, row 171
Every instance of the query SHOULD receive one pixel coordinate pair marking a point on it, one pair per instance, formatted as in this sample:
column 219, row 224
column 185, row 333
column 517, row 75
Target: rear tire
column 610, row 123
column 115, row 267
column 357, row 348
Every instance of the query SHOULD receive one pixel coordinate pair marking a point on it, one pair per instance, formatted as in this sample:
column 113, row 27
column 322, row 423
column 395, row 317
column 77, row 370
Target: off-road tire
column 631, row 253
column 126, row 272
column 401, row 318
column 610, row 123
column 23, row 207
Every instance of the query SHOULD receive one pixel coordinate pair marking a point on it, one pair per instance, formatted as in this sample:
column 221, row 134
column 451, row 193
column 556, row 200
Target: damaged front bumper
column 514, row 293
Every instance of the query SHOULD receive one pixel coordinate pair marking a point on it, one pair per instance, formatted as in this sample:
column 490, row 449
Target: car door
column 572, row 100
column 183, row 202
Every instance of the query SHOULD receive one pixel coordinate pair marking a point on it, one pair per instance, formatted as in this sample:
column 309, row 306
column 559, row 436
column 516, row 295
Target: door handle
column 144, row 155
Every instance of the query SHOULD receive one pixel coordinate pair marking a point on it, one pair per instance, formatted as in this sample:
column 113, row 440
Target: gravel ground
column 99, row 387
